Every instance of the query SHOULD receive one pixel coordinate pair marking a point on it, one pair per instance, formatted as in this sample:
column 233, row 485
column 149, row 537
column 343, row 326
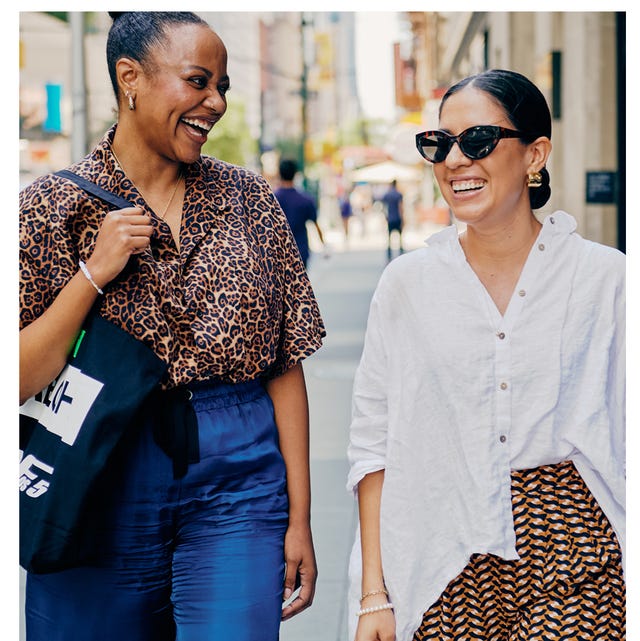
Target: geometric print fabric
column 567, row 585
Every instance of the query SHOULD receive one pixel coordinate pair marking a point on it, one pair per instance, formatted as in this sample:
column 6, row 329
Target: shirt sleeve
column 301, row 325
column 368, row 432
column 46, row 253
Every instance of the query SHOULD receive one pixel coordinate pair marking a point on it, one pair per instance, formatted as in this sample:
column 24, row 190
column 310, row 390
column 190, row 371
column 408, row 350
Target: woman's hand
column 301, row 564
column 45, row 343
column 376, row 626
column 123, row 232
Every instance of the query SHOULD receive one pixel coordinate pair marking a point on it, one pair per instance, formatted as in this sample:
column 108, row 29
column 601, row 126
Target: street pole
column 78, row 87
column 304, row 94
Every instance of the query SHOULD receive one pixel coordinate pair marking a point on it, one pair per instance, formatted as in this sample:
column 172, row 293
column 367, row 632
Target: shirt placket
column 503, row 420
column 504, row 376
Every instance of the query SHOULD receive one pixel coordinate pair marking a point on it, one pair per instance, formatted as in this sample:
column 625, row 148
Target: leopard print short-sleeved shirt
column 234, row 303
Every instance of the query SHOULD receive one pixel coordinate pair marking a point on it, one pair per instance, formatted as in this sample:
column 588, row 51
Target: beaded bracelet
column 88, row 276
column 375, row 608
column 373, row 593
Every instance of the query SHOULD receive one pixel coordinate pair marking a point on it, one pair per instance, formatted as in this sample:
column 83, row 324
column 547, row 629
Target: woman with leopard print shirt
column 202, row 268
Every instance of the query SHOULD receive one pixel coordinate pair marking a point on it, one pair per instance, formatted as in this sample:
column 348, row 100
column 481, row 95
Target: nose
column 455, row 157
column 215, row 101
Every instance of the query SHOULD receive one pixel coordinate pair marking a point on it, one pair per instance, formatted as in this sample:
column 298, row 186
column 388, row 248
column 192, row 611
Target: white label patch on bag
column 31, row 472
column 63, row 409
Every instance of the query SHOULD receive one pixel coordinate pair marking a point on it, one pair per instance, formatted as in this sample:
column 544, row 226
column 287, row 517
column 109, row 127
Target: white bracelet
column 375, row 608
column 87, row 273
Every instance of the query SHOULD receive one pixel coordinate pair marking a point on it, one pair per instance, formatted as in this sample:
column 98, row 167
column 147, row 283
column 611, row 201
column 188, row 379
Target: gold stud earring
column 534, row 180
column 132, row 102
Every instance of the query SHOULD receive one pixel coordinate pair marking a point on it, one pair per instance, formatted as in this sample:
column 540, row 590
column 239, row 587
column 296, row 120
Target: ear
column 128, row 73
column 539, row 151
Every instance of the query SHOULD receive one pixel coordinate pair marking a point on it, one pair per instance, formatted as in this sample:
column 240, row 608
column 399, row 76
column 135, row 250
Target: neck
column 500, row 245
column 146, row 170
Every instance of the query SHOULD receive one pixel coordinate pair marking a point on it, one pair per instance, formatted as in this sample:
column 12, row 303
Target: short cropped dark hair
column 288, row 169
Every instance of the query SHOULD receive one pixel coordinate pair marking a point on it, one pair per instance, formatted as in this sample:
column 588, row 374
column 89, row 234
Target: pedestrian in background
column 346, row 212
column 393, row 202
column 204, row 270
column 488, row 432
column 298, row 207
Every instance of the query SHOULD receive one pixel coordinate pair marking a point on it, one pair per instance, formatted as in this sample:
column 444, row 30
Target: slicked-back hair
column 134, row 33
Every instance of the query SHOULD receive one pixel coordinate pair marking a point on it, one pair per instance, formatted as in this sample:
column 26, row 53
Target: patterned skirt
column 568, row 583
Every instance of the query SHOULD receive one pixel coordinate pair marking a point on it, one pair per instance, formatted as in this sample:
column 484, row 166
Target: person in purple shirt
column 298, row 207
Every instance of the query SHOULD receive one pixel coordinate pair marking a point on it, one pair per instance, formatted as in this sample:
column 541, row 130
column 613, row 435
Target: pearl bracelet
column 375, row 608
column 88, row 276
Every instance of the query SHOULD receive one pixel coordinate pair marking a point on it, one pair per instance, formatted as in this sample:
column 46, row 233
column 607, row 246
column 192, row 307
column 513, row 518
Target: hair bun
column 538, row 197
column 116, row 14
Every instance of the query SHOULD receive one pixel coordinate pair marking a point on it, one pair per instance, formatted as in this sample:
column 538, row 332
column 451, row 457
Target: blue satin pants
column 194, row 559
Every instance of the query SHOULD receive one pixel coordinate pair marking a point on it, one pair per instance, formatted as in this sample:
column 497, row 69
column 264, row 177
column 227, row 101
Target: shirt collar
column 555, row 225
column 445, row 235
column 196, row 173
column 559, row 222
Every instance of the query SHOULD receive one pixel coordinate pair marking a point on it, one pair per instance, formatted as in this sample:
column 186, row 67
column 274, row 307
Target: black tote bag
column 69, row 431
column 67, row 434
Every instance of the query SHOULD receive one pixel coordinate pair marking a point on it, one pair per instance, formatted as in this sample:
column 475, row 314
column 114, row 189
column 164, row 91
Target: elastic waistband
column 217, row 394
column 210, row 394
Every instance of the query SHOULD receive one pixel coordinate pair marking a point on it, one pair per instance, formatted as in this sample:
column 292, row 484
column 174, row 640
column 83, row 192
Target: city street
column 348, row 96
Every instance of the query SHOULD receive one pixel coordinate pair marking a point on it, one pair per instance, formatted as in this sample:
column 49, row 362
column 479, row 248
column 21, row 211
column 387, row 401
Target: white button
column 541, row 247
column 522, row 292
column 503, row 386
column 503, row 439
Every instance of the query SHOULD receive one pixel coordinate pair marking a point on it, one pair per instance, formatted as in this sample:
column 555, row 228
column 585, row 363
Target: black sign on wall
column 602, row 187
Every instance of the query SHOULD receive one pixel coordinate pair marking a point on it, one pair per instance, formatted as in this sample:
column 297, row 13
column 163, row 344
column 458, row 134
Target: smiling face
column 181, row 92
column 491, row 190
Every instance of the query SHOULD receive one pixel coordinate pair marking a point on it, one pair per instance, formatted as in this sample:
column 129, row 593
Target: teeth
column 201, row 124
column 465, row 185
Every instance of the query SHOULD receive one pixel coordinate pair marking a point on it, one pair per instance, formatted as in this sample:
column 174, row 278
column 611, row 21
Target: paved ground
column 343, row 283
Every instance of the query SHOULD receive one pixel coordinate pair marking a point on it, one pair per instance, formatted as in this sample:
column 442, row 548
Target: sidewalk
column 343, row 284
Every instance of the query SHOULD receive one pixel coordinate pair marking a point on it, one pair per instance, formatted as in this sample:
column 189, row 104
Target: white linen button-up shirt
column 450, row 396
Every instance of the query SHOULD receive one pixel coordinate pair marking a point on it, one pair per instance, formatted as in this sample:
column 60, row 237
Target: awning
column 385, row 172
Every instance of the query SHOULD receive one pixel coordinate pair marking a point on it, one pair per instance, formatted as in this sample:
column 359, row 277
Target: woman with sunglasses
column 194, row 543
column 487, row 440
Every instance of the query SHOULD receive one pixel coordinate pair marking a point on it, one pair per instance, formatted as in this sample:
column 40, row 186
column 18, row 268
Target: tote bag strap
column 116, row 201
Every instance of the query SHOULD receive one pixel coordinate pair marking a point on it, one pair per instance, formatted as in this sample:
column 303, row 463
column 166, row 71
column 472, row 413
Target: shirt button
column 501, row 335
column 522, row 292
column 541, row 247
column 552, row 220
column 503, row 438
column 503, row 386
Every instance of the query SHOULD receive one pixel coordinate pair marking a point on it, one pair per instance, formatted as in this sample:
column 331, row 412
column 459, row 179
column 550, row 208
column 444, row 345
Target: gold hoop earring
column 534, row 180
column 132, row 102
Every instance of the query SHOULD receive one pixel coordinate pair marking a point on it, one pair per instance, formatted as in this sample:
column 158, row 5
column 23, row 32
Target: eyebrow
column 206, row 71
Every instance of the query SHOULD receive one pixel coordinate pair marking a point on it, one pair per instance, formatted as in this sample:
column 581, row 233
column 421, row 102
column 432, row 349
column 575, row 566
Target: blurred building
column 577, row 60
column 293, row 73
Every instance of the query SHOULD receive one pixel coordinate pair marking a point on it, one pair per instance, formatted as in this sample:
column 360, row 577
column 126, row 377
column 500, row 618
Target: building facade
column 577, row 60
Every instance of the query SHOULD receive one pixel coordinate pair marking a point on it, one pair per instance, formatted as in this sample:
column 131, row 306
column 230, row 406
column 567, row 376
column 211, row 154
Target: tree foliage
column 230, row 140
